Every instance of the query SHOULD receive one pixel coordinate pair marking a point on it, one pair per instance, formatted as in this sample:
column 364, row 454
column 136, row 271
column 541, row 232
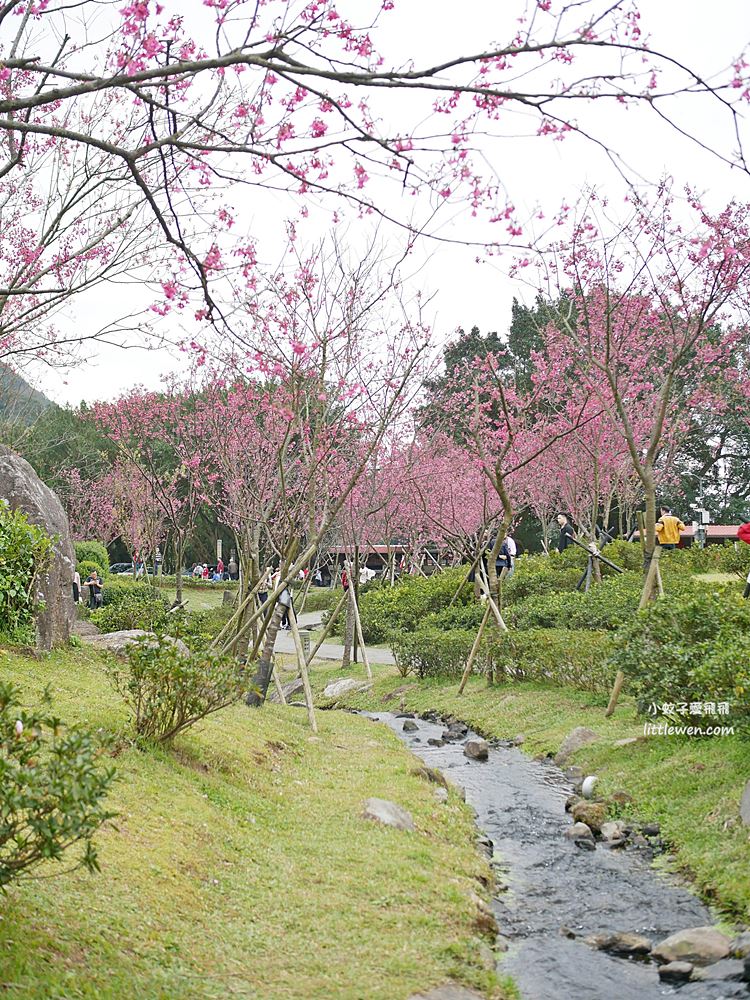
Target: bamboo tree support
column 302, row 665
column 653, row 576
column 474, row 649
column 358, row 626
column 278, row 685
column 484, row 584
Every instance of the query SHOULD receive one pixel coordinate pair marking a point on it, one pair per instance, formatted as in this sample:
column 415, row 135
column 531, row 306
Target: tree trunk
column 348, row 629
column 179, row 549
column 262, row 678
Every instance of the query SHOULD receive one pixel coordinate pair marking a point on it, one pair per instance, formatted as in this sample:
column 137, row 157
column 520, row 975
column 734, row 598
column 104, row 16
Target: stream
column 545, row 883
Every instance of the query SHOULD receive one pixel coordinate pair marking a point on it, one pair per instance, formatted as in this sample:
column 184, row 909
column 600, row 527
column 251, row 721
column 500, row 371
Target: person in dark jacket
column 567, row 533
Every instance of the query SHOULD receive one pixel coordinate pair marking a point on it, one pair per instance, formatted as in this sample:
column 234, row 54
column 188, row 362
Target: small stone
column 727, row 970
column 476, row 749
column 593, row 814
column 449, row 991
column 675, row 972
column 484, row 921
column 344, row 686
column 614, row 830
column 585, row 844
column 621, row 798
column 741, row 945
column 578, row 831
column 518, row 740
column 486, row 957
column 622, row 943
column 388, row 813
column 441, row 794
column 571, row 801
column 699, row 945
column 637, row 840
column 566, row 932
column 410, row 726
column 579, row 737
column 745, row 805
column 435, row 743
column 430, row 774
column 651, row 830
column 573, row 773
column 485, row 847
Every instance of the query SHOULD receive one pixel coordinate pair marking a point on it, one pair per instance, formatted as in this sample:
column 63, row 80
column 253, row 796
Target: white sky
column 535, row 172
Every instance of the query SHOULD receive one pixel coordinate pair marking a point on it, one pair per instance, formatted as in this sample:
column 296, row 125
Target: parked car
column 119, row 569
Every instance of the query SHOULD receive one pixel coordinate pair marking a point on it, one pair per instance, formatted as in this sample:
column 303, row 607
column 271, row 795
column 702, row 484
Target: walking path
column 329, row 650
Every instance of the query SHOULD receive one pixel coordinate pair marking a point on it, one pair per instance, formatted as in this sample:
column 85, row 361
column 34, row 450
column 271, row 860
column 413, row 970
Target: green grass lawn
column 239, row 865
column 198, row 598
column 691, row 786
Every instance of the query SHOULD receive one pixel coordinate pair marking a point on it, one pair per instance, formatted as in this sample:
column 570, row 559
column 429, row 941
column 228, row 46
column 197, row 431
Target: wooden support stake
column 278, row 686
column 327, row 629
column 358, row 627
column 302, row 664
column 474, row 649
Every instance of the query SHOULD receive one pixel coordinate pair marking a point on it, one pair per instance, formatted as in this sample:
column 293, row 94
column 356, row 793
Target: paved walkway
column 329, row 650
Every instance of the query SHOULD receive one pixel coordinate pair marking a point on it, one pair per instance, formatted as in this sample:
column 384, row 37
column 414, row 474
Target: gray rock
column 728, row 970
column 410, row 726
column 745, row 805
column 621, row 943
column 476, row 749
column 25, row 491
column 229, row 598
column 519, row 740
column 614, row 830
column 571, row 801
column 651, row 830
column 435, row 743
column 85, row 628
column 628, row 741
column 290, row 689
column 741, row 945
column 675, row 972
column 578, row 831
column 485, row 847
column 388, row 813
column 574, row 773
column 699, row 945
column 118, row 642
column 593, row 814
column 448, row 992
column 441, row 794
column 430, row 774
column 579, row 737
column 344, row 686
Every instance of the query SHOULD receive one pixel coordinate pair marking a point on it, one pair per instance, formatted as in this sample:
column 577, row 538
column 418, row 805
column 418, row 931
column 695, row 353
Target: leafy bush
column 626, row 555
column 92, row 552
column 564, row 657
column 432, row 652
column 536, row 575
column 460, row 616
column 121, row 588
column 688, row 650
column 24, row 553
column 606, row 606
column 198, row 628
column 168, row 692
column 385, row 610
column 139, row 608
column 52, row 789
column 86, row 568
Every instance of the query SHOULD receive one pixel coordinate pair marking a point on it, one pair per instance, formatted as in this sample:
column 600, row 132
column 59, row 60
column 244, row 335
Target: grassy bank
column 692, row 787
column 239, row 865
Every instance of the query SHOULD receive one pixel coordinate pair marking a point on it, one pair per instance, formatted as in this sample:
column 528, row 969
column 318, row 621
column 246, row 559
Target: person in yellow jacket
column 668, row 529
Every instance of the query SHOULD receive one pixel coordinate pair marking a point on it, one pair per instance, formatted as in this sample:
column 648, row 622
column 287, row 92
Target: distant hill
column 19, row 402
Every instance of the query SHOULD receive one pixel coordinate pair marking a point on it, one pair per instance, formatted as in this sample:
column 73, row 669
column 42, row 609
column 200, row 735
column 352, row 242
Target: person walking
column 567, row 533
column 506, row 562
column 76, row 587
column 668, row 529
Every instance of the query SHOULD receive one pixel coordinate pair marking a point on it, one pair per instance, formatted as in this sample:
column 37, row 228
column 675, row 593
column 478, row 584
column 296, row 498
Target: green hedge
column 432, row 652
column 386, row 610
column 142, row 608
column 689, row 649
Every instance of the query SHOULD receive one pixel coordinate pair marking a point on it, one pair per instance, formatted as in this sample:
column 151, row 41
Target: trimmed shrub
column 141, row 608
column 52, row 789
column 121, row 588
column 688, row 650
column 537, row 575
column 385, row 610
column 92, row 552
column 565, row 657
column 462, row 616
column 24, row 553
column 168, row 693
column 432, row 652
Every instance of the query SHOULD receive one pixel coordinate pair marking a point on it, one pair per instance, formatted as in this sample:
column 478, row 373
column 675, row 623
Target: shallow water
column 545, row 882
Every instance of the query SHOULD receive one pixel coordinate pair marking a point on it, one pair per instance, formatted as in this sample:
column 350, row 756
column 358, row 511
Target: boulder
column 435, row 743
column 118, row 642
column 25, row 491
column 745, row 805
column 410, row 726
column 290, row 689
column 675, row 972
column 344, row 686
column 430, row 774
column 728, row 970
column 576, row 739
column 476, row 749
column 388, row 813
column 593, row 814
column 622, row 943
column 698, row 945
